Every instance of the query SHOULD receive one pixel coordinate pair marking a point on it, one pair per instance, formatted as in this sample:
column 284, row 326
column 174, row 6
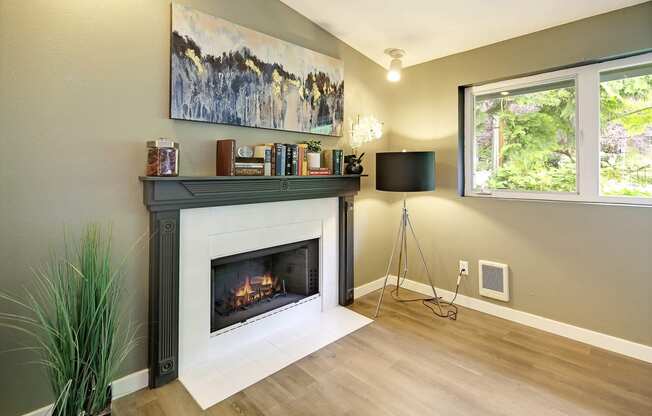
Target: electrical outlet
column 464, row 268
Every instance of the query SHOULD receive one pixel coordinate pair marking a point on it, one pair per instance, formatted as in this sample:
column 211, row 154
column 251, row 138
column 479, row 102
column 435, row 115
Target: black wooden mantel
column 166, row 196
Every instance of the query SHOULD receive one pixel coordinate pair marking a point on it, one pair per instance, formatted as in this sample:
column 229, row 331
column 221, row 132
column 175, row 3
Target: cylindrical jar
column 162, row 158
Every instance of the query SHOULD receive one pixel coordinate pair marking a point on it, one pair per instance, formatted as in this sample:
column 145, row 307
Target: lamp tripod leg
column 404, row 248
column 399, row 235
column 400, row 255
column 423, row 260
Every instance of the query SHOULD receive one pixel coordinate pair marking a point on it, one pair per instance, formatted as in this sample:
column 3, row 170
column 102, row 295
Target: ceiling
column 429, row 29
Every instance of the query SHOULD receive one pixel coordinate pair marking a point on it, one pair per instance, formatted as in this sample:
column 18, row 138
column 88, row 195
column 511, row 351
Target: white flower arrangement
column 365, row 129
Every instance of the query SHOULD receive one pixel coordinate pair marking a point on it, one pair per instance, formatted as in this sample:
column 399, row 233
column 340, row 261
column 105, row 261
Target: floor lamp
column 407, row 172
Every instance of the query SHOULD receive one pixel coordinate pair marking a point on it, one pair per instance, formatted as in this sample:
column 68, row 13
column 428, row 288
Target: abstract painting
column 225, row 73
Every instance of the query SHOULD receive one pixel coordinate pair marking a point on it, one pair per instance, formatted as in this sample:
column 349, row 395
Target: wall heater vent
column 494, row 280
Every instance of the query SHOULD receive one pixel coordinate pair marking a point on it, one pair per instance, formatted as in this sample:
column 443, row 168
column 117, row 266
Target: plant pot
column 314, row 160
column 105, row 412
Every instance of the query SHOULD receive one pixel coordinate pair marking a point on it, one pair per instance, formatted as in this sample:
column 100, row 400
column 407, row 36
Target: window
column 580, row 134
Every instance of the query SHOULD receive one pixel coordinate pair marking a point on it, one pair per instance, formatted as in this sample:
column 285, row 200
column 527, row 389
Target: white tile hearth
column 216, row 380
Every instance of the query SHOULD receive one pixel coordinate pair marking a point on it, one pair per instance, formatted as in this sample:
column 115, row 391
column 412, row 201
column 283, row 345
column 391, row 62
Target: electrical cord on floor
column 443, row 308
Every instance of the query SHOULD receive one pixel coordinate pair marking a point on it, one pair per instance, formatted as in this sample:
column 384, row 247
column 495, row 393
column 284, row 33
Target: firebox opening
column 249, row 284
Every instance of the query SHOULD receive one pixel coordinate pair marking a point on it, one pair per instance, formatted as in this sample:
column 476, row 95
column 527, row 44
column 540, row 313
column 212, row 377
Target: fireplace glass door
column 249, row 284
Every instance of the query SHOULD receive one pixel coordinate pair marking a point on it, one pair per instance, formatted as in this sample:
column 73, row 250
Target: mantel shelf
column 182, row 192
column 237, row 178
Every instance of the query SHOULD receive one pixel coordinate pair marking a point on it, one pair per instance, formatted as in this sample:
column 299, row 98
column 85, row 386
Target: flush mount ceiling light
column 394, row 72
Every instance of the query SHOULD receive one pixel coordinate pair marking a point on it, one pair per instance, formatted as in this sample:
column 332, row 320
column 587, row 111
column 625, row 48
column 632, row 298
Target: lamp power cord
column 438, row 306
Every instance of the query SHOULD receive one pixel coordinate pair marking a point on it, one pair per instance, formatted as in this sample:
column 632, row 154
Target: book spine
column 273, row 153
column 304, row 159
column 299, row 159
column 319, row 172
column 295, row 160
column 249, row 165
column 285, row 157
column 249, row 172
column 288, row 160
column 225, row 157
column 268, row 162
column 337, row 161
column 249, row 160
column 328, row 159
column 280, row 159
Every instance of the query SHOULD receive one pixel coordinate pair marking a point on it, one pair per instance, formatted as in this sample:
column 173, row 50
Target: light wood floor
column 409, row 363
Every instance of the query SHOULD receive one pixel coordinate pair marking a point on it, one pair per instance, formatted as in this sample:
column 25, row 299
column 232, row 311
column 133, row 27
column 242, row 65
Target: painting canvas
column 225, row 73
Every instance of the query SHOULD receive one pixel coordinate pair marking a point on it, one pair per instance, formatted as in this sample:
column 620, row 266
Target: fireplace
column 247, row 285
column 196, row 220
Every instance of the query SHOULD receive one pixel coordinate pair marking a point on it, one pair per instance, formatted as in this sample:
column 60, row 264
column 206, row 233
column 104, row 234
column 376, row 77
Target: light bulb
column 394, row 73
column 393, row 76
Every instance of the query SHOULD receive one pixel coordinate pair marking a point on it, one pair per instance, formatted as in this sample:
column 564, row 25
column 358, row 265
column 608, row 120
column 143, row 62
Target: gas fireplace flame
column 245, row 289
column 254, row 289
column 266, row 280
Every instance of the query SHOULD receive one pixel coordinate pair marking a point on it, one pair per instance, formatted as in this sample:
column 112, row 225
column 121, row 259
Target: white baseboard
column 130, row 383
column 587, row 336
column 120, row 387
column 43, row 411
column 365, row 289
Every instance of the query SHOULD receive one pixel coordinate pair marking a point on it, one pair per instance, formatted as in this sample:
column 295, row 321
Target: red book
column 319, row 172
column 249, row 172
column 225, row 158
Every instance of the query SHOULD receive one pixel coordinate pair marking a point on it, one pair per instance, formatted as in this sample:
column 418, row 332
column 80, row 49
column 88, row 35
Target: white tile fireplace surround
column 213, row 367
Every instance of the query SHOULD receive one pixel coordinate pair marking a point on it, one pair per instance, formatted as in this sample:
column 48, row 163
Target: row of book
column 274, row 159
column 287, row 159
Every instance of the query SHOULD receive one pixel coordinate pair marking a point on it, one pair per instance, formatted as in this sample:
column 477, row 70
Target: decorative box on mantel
column 166, row 196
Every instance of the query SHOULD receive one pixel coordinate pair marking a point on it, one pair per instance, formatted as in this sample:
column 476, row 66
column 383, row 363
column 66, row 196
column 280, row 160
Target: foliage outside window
column 578, row 134
column 525, row 139
column 626, row 132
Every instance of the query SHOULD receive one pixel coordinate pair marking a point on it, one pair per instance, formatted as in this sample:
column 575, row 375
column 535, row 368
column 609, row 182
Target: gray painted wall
column 84, row 84
column 586, row 265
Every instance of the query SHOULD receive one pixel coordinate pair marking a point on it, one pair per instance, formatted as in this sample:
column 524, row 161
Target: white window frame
column 587, row 133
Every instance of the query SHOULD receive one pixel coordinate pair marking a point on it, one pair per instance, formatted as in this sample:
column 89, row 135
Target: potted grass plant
column 74, row 316
column 313, row 153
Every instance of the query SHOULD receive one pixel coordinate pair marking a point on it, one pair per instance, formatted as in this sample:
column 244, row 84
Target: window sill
column 619, row 202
